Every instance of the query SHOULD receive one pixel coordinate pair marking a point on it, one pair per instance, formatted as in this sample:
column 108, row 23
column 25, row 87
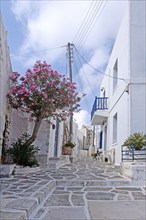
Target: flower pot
column 66, row 150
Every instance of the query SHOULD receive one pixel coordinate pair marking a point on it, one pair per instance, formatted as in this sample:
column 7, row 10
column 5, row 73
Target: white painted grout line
column 86, row 207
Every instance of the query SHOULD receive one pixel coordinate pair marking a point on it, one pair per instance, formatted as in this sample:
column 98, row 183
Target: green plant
column 70, row 144
column 138, row 140
column 22, row 153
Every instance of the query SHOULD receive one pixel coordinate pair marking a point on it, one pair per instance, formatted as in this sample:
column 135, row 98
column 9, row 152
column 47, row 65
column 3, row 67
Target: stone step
column 17, row 215
column 22, row 206
column 93, row 183
column 74, row 195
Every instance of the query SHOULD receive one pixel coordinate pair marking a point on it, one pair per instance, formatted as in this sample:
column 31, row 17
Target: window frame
column 115, row 75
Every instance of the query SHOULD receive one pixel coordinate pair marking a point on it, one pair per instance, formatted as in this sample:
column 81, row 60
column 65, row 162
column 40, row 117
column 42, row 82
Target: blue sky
column 40, row 30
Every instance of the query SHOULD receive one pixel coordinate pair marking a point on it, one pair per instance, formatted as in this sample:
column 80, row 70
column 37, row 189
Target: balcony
column 99, row 111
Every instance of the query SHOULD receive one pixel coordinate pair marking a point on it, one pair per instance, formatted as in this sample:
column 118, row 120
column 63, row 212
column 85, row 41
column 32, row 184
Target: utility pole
column 70, row 76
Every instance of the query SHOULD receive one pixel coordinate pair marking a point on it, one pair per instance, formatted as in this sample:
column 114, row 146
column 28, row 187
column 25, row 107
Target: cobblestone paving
column 67, row 190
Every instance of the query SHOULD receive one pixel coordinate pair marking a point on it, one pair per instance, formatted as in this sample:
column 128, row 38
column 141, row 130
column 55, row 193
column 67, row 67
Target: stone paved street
column 83, row 190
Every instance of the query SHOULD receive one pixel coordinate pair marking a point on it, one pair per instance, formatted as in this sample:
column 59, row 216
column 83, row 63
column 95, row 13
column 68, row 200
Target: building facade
column 5, row 70
column 121, row 108
column 88, row 140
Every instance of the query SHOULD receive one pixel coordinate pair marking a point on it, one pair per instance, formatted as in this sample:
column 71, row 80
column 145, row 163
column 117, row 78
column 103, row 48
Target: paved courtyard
column 83, row 190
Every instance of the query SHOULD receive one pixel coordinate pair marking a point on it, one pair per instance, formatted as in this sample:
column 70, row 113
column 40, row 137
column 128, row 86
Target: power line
column 92, row 26
column 97, row 69
column 80, row 83
column 83, row 23
column 89, row 22
column 85, row 74
column 39, row 51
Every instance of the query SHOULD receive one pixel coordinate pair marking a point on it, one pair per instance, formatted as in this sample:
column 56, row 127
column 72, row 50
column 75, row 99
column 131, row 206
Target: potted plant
column 67, row 148
column 138, row 140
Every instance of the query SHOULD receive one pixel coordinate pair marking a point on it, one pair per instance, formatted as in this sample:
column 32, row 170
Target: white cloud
column 82, row 118
column 54, row 23
column 49, row 24
column 89, row 77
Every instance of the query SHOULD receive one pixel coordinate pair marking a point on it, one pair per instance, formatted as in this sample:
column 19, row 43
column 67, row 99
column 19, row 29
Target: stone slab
column 97, row 188
column 3, row 186
column 9, row 215
column 66, row 213
column 70, row 183
column 117, row 210
column 77, row 200
column 57, row 200
column 23, row 204
column 5, row 201
column 24, row 170
column 99, row 196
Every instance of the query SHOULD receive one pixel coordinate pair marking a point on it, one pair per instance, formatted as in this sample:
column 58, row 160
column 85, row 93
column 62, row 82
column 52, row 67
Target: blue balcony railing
column 99, row 104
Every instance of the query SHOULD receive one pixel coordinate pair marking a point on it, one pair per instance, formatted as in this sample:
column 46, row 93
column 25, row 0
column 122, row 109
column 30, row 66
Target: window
column 115, row 74
column 115, row 128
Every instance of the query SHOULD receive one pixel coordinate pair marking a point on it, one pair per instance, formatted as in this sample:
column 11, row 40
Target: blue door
column 100, row 140
column 56, row 139
column 105, row 138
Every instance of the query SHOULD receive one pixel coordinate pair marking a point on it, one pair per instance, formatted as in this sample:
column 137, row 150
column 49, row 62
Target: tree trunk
column 5, row 141
column 35, row 130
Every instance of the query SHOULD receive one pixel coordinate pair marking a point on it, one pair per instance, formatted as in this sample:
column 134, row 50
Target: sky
column 41, row 30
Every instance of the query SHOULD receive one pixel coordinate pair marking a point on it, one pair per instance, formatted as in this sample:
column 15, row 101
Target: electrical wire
column 80, row 85
column 91, row 27
column 97, row 69
column 89, row 22
column 83, row 24
column 85, row 74
column 39, row 51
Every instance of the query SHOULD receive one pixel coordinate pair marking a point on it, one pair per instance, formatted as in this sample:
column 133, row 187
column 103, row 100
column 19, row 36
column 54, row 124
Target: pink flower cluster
column 44, row 92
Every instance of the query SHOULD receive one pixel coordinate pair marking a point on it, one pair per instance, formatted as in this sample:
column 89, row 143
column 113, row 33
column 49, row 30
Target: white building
column 49, row 138
column 5, row 70
column 121, row 108
column 88, row 140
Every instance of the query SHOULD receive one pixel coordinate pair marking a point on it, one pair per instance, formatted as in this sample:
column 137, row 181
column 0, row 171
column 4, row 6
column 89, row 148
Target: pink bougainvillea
column 43, row 93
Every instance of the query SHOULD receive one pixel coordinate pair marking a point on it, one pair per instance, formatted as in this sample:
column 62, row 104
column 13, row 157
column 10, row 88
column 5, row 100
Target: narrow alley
column 83, row 190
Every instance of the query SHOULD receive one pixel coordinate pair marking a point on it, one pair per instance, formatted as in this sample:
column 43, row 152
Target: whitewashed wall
column 138, row 66
column 46, row 135
column 128, row 99
column 5, row 70
column 19, row 125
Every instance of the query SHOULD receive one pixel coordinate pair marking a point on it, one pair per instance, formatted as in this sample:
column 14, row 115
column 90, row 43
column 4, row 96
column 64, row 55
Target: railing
column 132, row 154
column 99, row 104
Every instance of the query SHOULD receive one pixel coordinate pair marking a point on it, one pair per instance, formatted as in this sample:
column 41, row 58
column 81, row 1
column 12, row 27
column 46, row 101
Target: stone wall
column 136, row 171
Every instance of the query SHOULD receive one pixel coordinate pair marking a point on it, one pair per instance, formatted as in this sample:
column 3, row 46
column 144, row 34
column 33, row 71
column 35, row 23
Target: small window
column 115, row 119
column 115, row 75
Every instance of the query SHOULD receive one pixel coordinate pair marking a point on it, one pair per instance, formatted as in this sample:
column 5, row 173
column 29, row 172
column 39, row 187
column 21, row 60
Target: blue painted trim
column 100, row 103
